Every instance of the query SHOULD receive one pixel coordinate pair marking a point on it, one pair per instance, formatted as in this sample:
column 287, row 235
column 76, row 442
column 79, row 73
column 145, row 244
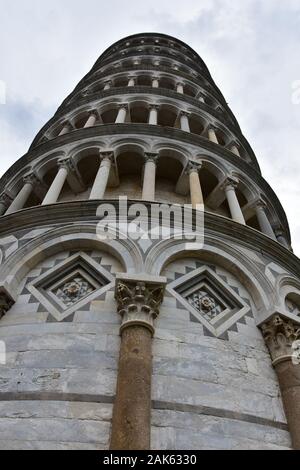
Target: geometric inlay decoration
column 210, row 300
column 70, row 285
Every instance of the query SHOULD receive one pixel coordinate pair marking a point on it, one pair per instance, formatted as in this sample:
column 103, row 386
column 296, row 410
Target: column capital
column 231, row 183
column 184, row 113
column 31, row 178
column 260, row 204
column 155, row 107
column 6, row 302
column 180, row 83
column 155, row 77
column 280, row 335
column 108, row 82
column 66, row 163
column 139, row 300
column 107, row 155
column 212, row 127
column 123, row 106
column 151, row 157
column 193, row 167
column 93, row 112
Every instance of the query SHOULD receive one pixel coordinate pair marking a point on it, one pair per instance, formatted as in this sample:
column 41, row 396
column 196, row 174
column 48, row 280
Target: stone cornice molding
column 79, row 211
column 139, row 299
column 280, row 335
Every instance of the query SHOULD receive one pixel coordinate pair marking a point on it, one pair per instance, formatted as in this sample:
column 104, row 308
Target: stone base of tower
column 213, row 383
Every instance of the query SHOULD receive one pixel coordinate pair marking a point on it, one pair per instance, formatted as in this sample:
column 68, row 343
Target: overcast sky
column 250, row 46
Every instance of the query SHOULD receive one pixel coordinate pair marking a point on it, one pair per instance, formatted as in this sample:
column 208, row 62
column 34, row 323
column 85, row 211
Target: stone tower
column 123, row 343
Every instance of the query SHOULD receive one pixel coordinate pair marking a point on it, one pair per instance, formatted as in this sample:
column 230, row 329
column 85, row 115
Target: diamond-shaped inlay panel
column 211, row 301
column 70, row 285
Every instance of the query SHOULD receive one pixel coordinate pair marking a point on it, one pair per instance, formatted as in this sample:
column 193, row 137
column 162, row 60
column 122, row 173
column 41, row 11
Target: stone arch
column 222, row 254
column 50, row 243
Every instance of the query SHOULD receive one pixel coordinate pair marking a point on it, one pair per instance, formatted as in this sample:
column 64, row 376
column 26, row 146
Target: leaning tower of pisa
column 146, row 342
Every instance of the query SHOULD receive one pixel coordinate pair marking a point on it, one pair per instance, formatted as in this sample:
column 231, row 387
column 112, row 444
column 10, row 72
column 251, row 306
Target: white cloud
column 250, row 48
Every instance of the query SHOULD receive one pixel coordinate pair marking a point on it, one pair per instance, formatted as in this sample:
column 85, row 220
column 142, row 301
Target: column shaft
column 122, row 114
column 65, row 130
column 21, row 199
column 184, row 122
column 155, row 83
column 100, row 184
column 153, row 116
column 149, row 181
column 131, row 82
column 56, row 187
column 289, row 381
column 212, row 136
column 91, row 121
column 234, row 205
column 234, row 149
column 131, row 425
column 196, row 190
column 264, row 222
column 180, row 88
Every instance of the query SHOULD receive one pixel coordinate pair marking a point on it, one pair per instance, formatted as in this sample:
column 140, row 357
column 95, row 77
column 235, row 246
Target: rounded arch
column 220, row 253
column 70, row 237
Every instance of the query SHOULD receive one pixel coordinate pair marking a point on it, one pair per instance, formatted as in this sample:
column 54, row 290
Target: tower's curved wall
column 148, row 111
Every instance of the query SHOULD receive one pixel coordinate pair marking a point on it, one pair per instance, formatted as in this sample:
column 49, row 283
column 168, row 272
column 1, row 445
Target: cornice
column 79, row 211
column 148, row 130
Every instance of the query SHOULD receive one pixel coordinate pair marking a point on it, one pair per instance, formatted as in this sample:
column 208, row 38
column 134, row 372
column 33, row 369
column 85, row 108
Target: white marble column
column 234, row 147
column 263, row 220
column 212, row 135
column 153, row 114
column 150, row 177
column 155, row 82
column 22, row 197
column 184, row 121
column 132, row 81
column 180, row 88
column 91, row 120
column 66, row 129
column 281, row 238
column 234, row 205
column 101, row 181
column 201, row 98
column 122, row 114
column 58, row 183
column 195, row 185
column 108, row 85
